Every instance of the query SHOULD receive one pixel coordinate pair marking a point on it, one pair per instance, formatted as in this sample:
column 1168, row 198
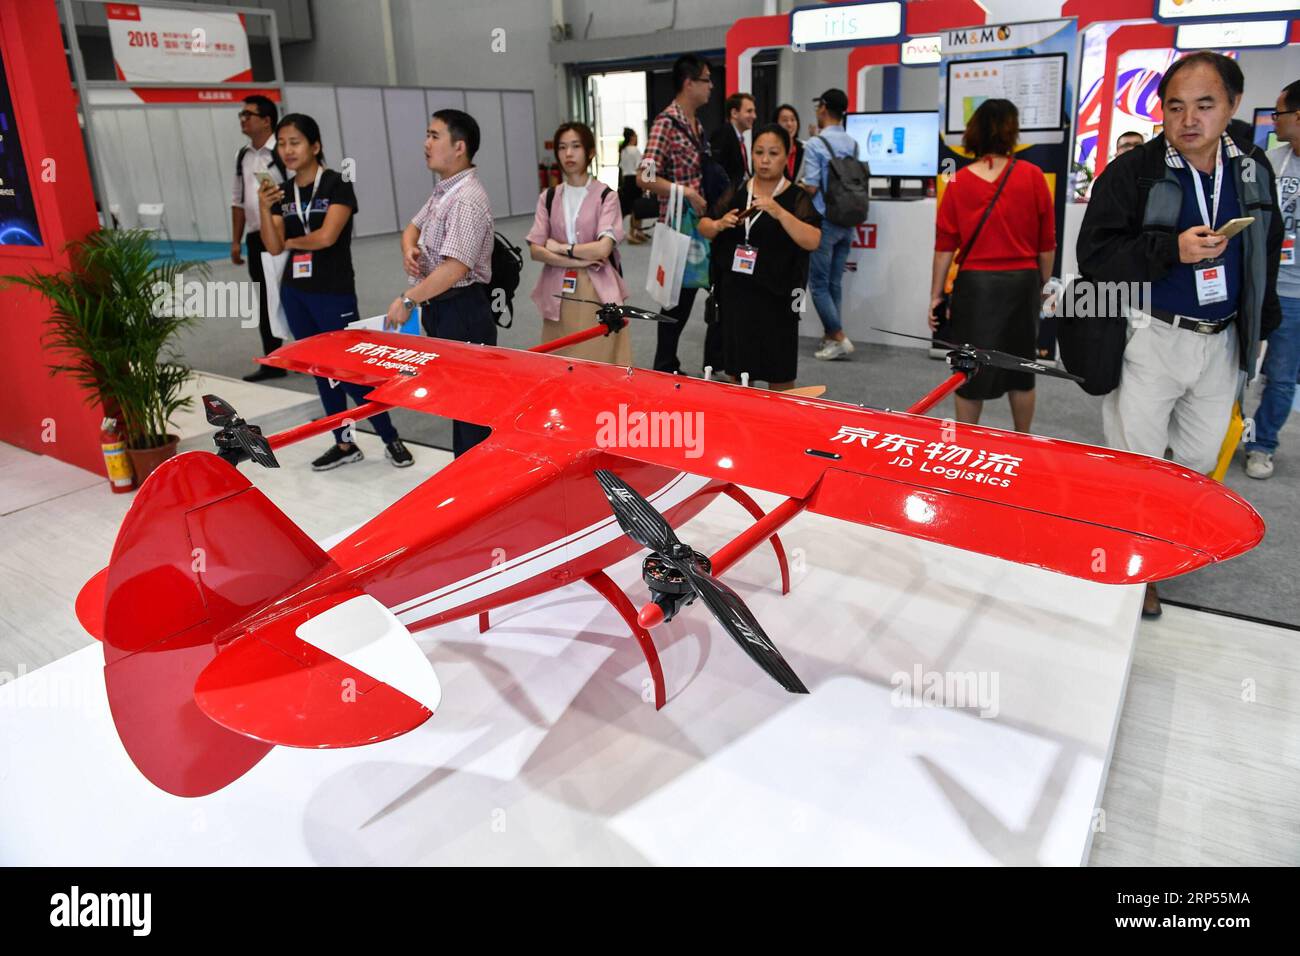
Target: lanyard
column 749, row 197
column 1281, row 174
column 297, row 199
column 1200, row 190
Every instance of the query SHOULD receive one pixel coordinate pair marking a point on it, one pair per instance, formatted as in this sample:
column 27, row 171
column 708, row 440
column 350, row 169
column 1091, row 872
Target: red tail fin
column 200, row 549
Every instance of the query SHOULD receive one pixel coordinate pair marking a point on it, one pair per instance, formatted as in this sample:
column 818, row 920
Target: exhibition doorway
column 616, row 101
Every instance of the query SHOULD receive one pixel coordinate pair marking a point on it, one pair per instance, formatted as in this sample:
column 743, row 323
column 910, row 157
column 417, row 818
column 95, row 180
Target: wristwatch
column 571, row 255
column 409, row 303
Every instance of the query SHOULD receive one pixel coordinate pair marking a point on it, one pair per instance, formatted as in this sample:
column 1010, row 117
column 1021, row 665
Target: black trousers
column 666, row 359
column 466, row 317
column 255, row 249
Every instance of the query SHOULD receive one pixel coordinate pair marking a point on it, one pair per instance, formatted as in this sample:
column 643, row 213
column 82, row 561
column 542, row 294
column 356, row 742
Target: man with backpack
column 448, row 249
column 838, row 185
column 256, row 121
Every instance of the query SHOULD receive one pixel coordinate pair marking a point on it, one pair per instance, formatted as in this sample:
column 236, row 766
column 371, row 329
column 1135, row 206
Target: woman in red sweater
column 997, row 296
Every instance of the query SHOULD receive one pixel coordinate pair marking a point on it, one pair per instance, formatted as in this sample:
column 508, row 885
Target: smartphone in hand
column 1233, row 226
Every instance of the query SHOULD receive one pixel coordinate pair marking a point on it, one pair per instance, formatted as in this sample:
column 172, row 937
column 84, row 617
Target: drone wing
column 1091, row 512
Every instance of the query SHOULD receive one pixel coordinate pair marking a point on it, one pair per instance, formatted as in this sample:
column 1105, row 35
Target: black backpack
column 276, row 161
column 848, row 181
column 507, row 264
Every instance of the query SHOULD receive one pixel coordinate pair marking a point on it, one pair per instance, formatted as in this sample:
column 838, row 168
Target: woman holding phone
column 310, row 217
column 763, row 239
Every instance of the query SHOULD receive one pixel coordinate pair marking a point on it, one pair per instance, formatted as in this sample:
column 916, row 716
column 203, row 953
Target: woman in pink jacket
column 575, row 235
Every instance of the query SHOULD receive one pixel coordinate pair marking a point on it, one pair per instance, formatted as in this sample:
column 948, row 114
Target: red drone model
column 227, row 630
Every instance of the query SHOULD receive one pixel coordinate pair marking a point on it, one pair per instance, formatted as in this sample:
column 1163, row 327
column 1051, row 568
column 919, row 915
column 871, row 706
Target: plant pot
column 145, row 460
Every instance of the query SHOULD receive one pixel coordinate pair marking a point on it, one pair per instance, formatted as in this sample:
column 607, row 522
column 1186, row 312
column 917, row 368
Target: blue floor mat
column 185, row 251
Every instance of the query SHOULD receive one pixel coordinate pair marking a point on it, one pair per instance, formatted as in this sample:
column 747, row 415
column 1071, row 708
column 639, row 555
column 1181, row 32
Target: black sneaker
column 337, row 456
column 264, row 372
column 396, row 452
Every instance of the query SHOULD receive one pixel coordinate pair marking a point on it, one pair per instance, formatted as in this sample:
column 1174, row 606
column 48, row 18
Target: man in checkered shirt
column 447, row 250
column 673, row 156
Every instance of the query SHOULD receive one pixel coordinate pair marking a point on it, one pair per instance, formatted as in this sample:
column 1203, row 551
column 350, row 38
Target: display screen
column 1036, row 84
column 1265, row 131
column 18, row 225
column 897, row 144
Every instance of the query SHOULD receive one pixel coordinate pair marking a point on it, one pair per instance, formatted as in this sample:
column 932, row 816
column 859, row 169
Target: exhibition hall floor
column 545, row 749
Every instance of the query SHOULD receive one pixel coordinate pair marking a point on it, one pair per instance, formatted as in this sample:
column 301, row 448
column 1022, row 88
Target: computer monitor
column 901, row 144
column 1265, row 129
column 1036, row 84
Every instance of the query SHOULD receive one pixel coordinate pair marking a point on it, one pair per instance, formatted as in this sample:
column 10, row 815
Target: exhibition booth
column 474, row 660
column 1062, row 73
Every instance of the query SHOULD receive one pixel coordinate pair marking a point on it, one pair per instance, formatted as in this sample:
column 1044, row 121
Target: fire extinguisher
column 557, row 174
column 113, row 444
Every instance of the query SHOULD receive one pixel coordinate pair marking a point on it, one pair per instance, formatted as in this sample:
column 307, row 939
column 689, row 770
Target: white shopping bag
column 272, row 269
column 376, row 324
column 668, row 251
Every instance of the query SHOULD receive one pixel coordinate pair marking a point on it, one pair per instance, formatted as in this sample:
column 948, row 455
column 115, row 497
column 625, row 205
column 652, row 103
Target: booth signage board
column 921, row 50
column 1006, row 36
column 1245, row 33
column 18, row 221
column 845, row 24
column 1183, row 11
column 163, row 45
column 1036, row 84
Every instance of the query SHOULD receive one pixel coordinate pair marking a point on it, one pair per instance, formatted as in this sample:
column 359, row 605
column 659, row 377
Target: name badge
column 1211, row 283
column 570, row 283
column 745, row 259
column 1288, row 250
column 302, row 265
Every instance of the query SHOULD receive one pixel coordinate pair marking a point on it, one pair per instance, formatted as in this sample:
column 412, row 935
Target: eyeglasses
column 704, row 79
column 249, row 114
column 1275, row 114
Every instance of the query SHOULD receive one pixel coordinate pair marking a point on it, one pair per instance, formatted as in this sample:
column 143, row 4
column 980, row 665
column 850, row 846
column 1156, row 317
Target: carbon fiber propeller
column 237, row 441
column 647, row 527
column 991, row 357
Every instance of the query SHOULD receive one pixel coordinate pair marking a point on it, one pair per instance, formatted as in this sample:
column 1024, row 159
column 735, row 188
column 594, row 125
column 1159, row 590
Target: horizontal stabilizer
column 339, row 672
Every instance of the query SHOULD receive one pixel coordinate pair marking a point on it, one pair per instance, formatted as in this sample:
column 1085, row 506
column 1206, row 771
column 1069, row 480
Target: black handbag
column 944, row 308
column 1093, row 349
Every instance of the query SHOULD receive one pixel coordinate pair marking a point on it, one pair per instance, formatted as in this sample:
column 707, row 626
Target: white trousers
column 1176, row 393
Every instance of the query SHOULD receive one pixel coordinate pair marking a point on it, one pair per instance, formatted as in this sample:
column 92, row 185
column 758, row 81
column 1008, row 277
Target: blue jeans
column 310, row 313
column 1281, row 365
column 825, row 270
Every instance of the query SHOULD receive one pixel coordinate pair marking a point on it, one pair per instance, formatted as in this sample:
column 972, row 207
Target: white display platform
column 546, row 749
column 889, row 285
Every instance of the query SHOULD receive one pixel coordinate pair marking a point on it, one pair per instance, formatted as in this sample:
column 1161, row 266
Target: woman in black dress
column 762, row 241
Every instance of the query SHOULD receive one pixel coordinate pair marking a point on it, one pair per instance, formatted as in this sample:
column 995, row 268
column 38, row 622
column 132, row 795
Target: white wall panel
column 138, row 160
column 365, row 142
column 112, row 167
column 319, row 103
column 435, row 100
column 520, row 151
column 407, row 121
column 209, row 172
column 173, row 178
column 491, row 157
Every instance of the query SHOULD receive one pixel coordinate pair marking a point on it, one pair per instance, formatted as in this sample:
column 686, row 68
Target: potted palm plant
column 115, row 315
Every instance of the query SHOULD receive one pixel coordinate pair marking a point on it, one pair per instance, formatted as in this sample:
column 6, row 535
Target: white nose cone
column 363, row 633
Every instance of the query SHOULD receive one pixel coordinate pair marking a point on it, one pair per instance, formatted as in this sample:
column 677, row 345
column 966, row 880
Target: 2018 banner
column 156, row 44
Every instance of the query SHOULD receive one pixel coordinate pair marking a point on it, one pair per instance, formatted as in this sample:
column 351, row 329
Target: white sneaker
column 832, row 349
column 1259, row 464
